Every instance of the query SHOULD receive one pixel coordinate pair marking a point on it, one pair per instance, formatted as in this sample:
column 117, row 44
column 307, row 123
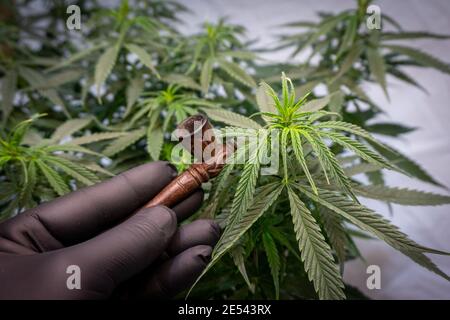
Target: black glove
column 116, row 252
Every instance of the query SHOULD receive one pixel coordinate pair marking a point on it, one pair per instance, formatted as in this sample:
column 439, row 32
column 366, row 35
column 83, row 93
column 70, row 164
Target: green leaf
column 264, row 100
column 206, row 74
column 77, row 56
column 421, row 57
column 95, row 137
column 356, row 89
column 96, row 168
column 412, row 35
column 123, row 142
column 68, row 128
column 53, row 178
column 315, row 252
column 71, row 147
column 74, row 170
column 231, row 118
column 237, row 253
column 315, row 105
column 239, row 54
column 236, row 72
column 281, row 236
column 20, row 130
column 407, row 165
column 59, row 79
column 274, row 261
column 405, row 77
column 362, row 167
column 104, row 66
column 369, row 221
column 336, row 233
column 351, row 57
column 377, row 67
column 26, row 194
column 389, row 129
column 9, row 84
column 284, row 152
column 35, row 79
column 134, row 90
column 298, row 151
column 376, row 177
column 245, row 188
column 401, row 196
column 265, row 197
column 347, row 127
column 143, row 56
column 155, row 140
column 322, row 28
column 330, row 164
column 360, row 149
column 218, row 186
column 349, row 35
column 182, row 80
column 307, row 87
column 336, row 102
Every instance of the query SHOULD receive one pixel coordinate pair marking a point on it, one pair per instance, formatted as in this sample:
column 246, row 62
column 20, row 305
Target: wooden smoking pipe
column 196, row 135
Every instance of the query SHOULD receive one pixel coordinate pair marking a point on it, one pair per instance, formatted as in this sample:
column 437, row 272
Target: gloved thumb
column 123, row 251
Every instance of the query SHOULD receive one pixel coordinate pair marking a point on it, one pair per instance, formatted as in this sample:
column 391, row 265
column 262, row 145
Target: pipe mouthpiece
column 196, row 134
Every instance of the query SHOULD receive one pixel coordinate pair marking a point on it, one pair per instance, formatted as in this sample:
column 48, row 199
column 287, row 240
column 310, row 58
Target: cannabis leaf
column 68, row 128
column 105, row 65
column 53, row 178
column 273, row 258
column 51, row 157
column 230, row 118
column 302, row 140
column 9, row 84
column 95, row 137
column 237, row 254
column 421, row 57
column 155, row 140
column 37, row 80
column 401, row 196
column 245, row 188
column 123, row 142
column 377, row 67
column 371, row 222
column 333, row 225
column 236, row 72
column 299, row 154
column 265, row 197
column 315, row 251
column 154, row 76
column 206, row 74
column 134, row 90
column 143, row 56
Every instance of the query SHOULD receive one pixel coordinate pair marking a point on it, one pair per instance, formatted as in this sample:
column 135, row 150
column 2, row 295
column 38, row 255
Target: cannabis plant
column 343, row 54
column 320, row 194
column 25, row 156
column 113, row 92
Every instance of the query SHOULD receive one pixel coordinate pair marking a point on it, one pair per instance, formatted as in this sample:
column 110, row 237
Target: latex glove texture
column 119, row 252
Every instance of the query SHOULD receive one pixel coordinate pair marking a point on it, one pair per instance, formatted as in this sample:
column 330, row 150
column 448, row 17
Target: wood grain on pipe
column 196, row 137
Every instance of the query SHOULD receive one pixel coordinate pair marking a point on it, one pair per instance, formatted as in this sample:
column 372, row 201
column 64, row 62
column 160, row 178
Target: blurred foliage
column 79, row 106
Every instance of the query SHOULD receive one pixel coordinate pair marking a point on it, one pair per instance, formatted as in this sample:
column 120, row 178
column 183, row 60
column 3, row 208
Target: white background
column 429, row 145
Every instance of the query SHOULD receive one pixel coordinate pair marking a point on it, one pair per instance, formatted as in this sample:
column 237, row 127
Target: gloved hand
column 116, row 252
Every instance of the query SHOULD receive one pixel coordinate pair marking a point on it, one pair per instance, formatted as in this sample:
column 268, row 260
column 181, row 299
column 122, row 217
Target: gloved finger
column 126, row 249
column 176, row 274
column 82, row 214
column 198, row 232
column 188, row 206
